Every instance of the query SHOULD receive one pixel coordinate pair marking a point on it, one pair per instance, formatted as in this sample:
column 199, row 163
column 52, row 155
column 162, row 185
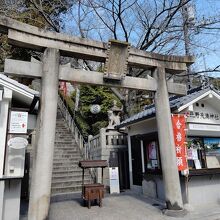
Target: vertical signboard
column 179, row 131
column 114, row 180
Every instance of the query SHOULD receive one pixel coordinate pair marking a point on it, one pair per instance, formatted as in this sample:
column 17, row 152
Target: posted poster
column 192, row 154
column 179, row 132
column 152, row 151
column 18, row 122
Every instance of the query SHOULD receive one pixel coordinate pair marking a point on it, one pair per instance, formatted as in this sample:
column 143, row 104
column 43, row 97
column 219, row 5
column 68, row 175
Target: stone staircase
column 67, row 176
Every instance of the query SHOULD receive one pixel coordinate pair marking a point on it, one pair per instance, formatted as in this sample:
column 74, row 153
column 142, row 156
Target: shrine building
column 200, row 182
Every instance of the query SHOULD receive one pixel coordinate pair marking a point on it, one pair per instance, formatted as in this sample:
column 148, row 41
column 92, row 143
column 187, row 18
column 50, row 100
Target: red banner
column 63, row 87
column 179, row 132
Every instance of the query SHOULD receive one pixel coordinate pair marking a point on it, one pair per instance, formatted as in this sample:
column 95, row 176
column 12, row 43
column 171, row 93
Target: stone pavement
column 126, row 206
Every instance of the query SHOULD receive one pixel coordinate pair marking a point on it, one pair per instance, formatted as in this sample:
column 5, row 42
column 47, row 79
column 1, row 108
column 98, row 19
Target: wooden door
column 123, row 166
column 136, row 161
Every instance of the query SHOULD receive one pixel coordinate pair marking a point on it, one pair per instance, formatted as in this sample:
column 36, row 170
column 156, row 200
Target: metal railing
column 73, row 128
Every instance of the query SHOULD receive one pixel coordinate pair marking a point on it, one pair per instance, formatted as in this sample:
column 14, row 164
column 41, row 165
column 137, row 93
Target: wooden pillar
column 166, row 140
column 42, row 173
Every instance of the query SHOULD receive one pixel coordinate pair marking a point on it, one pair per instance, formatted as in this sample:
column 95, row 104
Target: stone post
column 130, row 160
column 41, row 181
column 166, row 140
column 102, row 152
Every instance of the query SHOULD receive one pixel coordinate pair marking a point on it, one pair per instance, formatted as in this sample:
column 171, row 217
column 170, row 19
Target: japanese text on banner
column 179, row 132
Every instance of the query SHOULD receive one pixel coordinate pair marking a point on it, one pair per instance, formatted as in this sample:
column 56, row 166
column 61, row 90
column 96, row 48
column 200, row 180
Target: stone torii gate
column 117, row 56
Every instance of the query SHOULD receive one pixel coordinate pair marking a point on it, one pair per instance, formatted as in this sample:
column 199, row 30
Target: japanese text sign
column 179, row 132
column 18, row 122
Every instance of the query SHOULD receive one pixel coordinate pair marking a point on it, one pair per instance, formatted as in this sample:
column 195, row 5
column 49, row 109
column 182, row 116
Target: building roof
column 175, row 103
column 21, row 93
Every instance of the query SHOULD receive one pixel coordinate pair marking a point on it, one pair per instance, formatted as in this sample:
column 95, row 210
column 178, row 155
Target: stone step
column 64, row 133
column 69, row 174
column 61, row 163
column 66, row 169
column 65, row 142
column 60, row 122
column 69, row 189
column 62, row 166
column 67, row 138
column 62, row 136
column 72, row 183
column 67, row 156
column 69, row 160
column 66, row 176
column 69, row 177
column 73, row 152
column 62, row 148
column 62, row 128
column 62, row 145
column 59, row 197
column 66, row 148
column 67, row 152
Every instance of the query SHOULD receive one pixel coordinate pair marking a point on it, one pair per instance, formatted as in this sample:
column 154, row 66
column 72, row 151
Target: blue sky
column 208, row 51
column 210, row 54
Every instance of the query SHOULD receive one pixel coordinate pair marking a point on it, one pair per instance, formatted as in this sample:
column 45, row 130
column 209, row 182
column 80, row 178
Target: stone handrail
column 106, row 139
column 73, row 128
column 101, row 146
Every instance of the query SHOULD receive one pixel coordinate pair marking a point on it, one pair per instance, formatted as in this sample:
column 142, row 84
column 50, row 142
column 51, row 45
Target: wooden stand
column 92, row 191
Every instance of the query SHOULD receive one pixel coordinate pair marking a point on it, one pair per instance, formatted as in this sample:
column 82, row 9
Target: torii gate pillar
column 40, row 193
column 171, row 179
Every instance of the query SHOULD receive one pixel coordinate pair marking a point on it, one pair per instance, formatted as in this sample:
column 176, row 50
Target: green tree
column 40, row 13
column 91, row 123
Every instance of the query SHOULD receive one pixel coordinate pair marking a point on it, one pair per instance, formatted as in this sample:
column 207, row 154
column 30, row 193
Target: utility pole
column 188, row 21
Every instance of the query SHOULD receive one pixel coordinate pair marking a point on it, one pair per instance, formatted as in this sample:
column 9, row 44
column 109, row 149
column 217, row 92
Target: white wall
column 2, row 189
column 4, row 106
column 143, row 127
column 204, row 190
column 199, row 126
column 12, row 200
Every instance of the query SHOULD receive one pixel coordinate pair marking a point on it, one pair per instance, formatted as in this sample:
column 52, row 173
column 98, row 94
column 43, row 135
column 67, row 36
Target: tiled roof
column 175, row 103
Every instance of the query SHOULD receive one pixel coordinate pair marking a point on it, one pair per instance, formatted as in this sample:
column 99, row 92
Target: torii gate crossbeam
column 115, row 55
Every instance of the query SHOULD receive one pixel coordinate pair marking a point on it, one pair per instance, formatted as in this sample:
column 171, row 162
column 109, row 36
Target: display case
column 15, row 157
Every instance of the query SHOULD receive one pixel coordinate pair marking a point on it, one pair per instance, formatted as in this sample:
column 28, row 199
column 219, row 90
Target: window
column 212, row 148
column 152, row 155
column 203, row 152
column 196, row 153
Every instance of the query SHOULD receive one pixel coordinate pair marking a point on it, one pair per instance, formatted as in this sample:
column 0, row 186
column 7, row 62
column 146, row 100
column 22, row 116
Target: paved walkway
column 126, row 206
